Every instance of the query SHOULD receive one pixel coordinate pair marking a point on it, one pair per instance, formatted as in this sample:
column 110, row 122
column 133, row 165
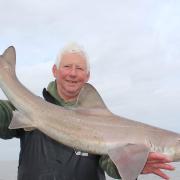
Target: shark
column 90, row 126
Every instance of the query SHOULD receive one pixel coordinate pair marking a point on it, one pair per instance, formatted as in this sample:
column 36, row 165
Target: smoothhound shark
column 89, row 127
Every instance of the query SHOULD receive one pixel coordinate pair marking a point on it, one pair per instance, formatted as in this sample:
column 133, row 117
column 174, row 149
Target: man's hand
column 155, row 163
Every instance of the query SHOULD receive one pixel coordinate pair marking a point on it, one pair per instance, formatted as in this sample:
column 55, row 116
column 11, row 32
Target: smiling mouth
column 72, row 82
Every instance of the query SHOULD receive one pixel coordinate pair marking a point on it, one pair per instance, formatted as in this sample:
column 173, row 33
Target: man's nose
column 73, row 71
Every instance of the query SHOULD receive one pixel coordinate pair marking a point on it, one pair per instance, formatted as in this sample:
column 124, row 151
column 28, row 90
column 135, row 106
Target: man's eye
column 80, row 68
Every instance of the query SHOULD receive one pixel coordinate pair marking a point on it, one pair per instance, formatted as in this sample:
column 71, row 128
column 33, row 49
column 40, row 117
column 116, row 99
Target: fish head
column 177, row 151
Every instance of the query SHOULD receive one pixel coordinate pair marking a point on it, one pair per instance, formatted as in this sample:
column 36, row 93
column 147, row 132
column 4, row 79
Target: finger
column 154, row 156
column 162, row 166
column 161, row 174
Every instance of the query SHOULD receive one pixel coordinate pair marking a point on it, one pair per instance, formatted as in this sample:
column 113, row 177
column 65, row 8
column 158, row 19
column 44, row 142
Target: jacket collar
column 52, row 91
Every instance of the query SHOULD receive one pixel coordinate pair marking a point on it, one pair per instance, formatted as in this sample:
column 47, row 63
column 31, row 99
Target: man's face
column 71, row 75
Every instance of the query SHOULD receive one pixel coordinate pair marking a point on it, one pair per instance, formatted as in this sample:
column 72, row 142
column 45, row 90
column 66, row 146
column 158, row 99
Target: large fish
column 89, row 127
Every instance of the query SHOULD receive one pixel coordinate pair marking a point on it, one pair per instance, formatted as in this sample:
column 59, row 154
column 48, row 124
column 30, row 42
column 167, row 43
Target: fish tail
column 8, row 61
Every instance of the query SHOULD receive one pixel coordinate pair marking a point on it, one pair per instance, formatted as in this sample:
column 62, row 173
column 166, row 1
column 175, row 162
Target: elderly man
column 42, row 158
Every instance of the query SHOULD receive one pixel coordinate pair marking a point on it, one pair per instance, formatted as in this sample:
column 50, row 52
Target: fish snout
column 177, row 151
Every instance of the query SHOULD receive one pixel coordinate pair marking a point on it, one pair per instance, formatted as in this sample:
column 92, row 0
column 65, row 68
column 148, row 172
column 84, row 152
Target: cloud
column 133, row 48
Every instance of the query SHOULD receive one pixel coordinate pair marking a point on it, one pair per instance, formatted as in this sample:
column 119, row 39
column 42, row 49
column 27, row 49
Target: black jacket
column 42, row 158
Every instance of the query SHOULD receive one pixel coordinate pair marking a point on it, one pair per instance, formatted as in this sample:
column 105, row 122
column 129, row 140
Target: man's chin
column 72, row 89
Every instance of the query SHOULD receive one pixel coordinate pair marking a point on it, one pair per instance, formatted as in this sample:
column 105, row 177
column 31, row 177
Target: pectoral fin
column 19, row 120
column 129, row 160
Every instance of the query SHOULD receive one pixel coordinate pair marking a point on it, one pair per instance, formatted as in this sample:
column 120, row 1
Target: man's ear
column 88, row 76
column 54, row 70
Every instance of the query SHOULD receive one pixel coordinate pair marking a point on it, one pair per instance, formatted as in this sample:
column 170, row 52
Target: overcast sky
column 133, row 47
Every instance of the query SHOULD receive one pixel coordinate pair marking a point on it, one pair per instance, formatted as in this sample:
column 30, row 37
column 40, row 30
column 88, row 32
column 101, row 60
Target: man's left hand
column 156, row 162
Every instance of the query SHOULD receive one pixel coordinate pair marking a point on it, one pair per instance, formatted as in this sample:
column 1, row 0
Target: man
column 42, row 158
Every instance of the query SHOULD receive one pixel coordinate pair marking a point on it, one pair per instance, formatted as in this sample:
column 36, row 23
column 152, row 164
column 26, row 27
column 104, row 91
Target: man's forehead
column 73, row 58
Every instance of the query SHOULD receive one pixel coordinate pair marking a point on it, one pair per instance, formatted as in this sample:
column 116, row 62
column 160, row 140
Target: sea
column 8, row 171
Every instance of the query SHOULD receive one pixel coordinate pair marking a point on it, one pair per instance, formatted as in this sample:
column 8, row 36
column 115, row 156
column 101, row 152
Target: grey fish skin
column 89, row 127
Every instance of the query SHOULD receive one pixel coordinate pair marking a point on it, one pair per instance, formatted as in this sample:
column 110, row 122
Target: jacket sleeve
column 109, row 167
column 6, row 109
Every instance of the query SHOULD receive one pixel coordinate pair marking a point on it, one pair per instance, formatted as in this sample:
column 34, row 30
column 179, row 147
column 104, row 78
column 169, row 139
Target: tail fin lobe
column 10, row 56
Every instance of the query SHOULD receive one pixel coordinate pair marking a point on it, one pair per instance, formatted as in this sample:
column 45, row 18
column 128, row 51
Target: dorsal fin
column 90, row 98
column 10, row 56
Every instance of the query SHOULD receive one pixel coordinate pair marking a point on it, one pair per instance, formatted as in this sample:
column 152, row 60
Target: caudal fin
column 8, row 59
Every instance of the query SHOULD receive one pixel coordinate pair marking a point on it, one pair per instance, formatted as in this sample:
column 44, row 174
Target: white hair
column 72, row 48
